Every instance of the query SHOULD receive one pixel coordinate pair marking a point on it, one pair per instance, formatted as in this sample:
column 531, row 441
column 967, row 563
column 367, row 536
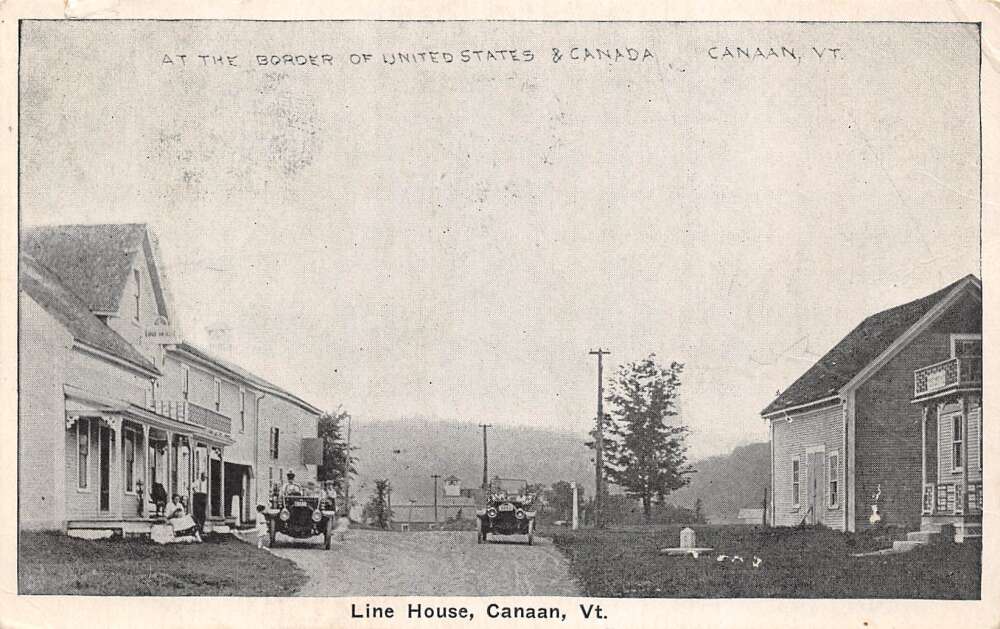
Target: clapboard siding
column 809, row 430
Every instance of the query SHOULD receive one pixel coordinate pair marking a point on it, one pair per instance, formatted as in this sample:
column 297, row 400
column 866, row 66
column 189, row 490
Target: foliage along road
column 431, row 563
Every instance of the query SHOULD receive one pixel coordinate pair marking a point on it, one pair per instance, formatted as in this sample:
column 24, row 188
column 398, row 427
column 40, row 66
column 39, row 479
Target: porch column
column 222, row 484
column 146, row 486
column 964, row 498
column 923, row 448
column 117, row 485
column 171, row 490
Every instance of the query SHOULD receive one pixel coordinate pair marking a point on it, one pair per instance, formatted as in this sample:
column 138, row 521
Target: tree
column 377, row 510
column 644, row 444
column 337, row 465
column 699, row 515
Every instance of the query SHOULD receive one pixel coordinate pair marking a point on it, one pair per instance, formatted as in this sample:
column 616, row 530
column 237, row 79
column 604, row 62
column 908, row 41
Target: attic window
column 138, row 292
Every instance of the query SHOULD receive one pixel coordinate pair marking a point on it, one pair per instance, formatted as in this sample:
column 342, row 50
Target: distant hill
column 408, row 451
column 728, row 482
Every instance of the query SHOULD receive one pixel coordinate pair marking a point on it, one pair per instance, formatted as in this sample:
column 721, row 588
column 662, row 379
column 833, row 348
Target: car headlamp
column 491, row 512
column 284, row 515
column 519, row 514
column 317, row 516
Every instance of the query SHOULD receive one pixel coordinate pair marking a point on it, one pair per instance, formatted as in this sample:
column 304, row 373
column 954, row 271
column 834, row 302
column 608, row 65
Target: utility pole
column 435, row 477
column 486, row 479
column 347, row 472
column 599, row 450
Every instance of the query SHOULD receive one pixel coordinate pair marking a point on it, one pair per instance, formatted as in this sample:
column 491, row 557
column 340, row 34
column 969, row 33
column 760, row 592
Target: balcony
column 947, row 376
column 191, row 412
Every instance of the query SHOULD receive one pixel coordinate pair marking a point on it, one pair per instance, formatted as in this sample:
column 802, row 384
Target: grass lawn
column 797, row 563
column 53, row 563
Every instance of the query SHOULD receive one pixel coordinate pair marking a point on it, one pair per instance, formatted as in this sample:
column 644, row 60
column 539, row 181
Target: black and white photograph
column 513, row 319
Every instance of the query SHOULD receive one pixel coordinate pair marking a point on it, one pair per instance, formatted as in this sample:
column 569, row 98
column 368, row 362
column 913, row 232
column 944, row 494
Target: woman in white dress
column 182, row 523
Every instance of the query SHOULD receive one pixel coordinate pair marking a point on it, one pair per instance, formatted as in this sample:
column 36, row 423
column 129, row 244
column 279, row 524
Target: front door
column 815, row 485
column 104, row 438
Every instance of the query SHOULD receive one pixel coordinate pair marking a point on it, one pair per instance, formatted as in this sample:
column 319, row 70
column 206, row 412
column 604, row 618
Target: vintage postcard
column 470, row 322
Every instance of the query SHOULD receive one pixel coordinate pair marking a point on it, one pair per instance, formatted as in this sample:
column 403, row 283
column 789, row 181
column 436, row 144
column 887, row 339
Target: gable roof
column 857, row 350
column 249, row 377
column 46, row 289
column 93, row 261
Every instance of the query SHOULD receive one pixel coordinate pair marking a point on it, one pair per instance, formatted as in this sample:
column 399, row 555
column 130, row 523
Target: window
column 129, row 442
column 274, row 443
column 966, row 345
column 795, row 482
column 956, row 442
column 218, row 394
column 138, row 292
column 185, row 381
column 833, row 470
column 83, row 454
column 243, row 409
column 270, row 478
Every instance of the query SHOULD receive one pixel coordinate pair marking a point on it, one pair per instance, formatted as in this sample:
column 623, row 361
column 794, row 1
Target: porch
column 950, row 394
column 130, row 459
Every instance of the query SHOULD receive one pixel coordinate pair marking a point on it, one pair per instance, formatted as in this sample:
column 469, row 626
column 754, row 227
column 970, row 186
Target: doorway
column 816, row 486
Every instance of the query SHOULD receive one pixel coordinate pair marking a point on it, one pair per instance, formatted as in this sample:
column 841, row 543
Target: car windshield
column 508, row 486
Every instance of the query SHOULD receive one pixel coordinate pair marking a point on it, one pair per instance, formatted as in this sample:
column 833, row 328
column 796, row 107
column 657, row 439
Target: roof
column 45, row 287
column 93, row 261
column 247, row 376
column 857, row 350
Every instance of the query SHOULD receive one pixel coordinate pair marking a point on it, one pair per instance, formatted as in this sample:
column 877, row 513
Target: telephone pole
column 435, row 477
column 599, row 449
column 486, row 479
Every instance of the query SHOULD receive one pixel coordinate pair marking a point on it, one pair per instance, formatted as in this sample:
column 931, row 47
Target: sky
column 450, row 239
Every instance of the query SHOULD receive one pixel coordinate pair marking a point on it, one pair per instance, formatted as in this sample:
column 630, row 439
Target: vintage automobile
column 509, row 510
column 301, row 513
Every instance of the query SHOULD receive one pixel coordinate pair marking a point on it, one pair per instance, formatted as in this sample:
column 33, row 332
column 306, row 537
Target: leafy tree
column 644, row 445
column 377, row 510
column 337, row 465
column 699, row 515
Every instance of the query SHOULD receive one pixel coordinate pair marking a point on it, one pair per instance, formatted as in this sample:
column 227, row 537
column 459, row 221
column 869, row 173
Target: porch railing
column 189, row 411
column 954, row 372
column 945, row 498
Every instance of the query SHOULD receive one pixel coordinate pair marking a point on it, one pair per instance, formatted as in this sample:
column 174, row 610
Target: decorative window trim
column 243, row 409
column 185, row 381
column 218, row 395
column 956, row 422
column 796, row 482
column 833, row 488
column 962, row 337
column 137, row 278
column 86, row 467
column 135, row 451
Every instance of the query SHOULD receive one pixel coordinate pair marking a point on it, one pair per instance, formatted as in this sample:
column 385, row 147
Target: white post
column 146, row 486
column 576, row 521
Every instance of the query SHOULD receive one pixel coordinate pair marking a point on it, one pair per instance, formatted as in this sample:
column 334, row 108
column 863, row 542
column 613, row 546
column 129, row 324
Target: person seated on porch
column 291, row 488
column 159, row 498
column 183, row 524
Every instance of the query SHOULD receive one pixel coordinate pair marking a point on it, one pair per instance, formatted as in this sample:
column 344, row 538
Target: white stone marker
column 688, row 538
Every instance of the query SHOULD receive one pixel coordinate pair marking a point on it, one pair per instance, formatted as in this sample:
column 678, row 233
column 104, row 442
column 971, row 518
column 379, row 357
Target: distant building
column 751, row 516
column 452, row 486
column 888, row 421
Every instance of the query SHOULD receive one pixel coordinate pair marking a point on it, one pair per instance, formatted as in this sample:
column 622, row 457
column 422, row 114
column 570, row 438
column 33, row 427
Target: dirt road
column 437, row 563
